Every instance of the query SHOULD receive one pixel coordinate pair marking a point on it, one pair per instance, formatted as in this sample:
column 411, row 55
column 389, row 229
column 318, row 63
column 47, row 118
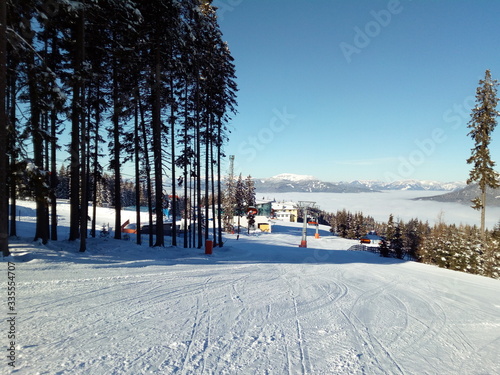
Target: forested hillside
column 97, row 84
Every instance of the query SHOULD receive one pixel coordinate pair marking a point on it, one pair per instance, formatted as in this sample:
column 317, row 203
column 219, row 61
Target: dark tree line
column 153, row 78
column 459, row 248
column 103, row 194
column 351, row 225
column 238, row 200
column 462, row 248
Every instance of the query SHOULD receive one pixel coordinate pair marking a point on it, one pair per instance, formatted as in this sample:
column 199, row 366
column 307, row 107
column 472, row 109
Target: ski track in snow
column 260, row 305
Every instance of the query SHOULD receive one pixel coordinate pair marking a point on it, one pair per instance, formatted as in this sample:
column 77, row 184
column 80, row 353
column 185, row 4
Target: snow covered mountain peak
column 293, row 177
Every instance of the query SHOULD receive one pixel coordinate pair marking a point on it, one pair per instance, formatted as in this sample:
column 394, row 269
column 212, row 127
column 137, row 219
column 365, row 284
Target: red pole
column 208, row 247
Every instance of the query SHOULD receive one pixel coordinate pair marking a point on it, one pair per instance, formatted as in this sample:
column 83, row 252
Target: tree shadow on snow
column 111, row 253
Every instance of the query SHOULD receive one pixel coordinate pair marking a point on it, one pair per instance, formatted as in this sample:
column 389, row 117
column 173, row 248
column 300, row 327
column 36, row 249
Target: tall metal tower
column 231, row 167
column 305, row 205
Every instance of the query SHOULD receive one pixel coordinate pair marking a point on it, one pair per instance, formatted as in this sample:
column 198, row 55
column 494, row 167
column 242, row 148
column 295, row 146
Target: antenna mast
column 231, row 167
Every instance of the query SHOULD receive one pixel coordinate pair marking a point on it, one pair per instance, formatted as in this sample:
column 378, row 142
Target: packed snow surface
column 259, row 305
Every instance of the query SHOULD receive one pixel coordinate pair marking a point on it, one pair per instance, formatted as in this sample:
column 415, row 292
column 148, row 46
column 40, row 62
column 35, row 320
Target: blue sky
column 347, row 90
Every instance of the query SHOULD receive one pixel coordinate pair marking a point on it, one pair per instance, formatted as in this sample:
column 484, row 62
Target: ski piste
column 260, row 304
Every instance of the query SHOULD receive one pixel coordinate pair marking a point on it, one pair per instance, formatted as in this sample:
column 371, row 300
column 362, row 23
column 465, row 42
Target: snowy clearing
column 259, row 305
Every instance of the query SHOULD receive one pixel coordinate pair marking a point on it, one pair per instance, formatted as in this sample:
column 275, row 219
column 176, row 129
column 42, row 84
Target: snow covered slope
column 259, row 305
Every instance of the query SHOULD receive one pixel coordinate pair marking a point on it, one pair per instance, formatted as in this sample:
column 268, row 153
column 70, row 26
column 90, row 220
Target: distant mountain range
column 287, row 182
column 466, row 194
column 413, row 185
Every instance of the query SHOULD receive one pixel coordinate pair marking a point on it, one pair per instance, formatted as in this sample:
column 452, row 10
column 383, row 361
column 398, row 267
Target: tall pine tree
column 483, row 122
column 100, row 63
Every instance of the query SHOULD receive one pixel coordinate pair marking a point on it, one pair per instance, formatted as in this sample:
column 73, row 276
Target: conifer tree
column 240, row 199
column 413, row 233
column 111, row 58
column 383, row 248
column 492, row 267
column 397, row 241
column 483, row 122
column 229, row 203
column 250, row 200
column 389, row 234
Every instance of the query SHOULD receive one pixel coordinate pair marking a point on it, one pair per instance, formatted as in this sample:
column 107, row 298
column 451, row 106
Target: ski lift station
column 285, row 211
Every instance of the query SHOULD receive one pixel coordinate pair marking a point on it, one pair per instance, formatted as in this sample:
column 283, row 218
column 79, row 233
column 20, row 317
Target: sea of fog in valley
column 401, row 204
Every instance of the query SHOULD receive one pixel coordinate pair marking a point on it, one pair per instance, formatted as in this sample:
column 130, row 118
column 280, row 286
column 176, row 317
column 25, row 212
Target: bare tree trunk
column 148, row 172
column 53, row 163
column 4, row 203
column 84, row 206
column 219, row 185
column 116, row 153
column 95, row 179
column 198, row 167
column 207, row 186
column 157, row 149
column 76, row 108
column 137, row 175
column 41, row 231
column 186, row 208
column 13, row 180
column 214, row 216
column 172, row 151
column 53, row 176
column 192, row 208
column 84, row 194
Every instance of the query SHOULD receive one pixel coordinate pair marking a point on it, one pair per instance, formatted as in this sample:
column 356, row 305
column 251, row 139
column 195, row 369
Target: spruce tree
column 412, row 237
column 397, row 242
column 240, row 199
column 389, row 234
column 229, row 203
column 483, row 122
column 384, row 249
column 101, row 63
column 250, row 201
